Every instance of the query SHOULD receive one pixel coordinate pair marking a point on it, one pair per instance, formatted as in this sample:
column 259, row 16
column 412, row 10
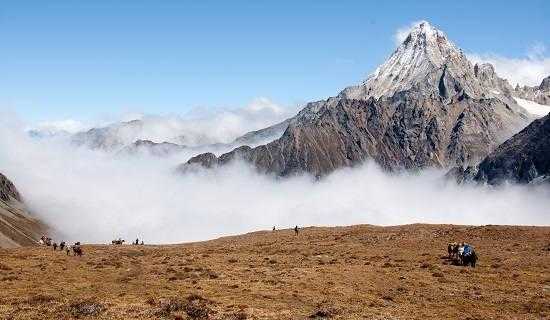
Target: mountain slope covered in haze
column 164, row 136
column 426, row 106
column 17, row 226
column 524, row 158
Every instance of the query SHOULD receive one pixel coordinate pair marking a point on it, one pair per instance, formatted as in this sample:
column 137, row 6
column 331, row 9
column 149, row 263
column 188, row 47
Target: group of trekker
column 76, row 249
column 462, row 253
column 296, row 230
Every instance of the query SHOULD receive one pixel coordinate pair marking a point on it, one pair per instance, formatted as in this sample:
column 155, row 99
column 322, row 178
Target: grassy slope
column 353, row 272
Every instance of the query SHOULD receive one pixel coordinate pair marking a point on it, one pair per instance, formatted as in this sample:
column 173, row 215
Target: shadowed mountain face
column 427, row 105
column 524, row 158
column 17, row 227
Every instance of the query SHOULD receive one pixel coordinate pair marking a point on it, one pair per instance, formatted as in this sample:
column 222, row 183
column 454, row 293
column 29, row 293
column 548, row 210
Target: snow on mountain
column 424, row 49
column 539, row 94
column 538, row 110
column 423, row 52
column 426, row 106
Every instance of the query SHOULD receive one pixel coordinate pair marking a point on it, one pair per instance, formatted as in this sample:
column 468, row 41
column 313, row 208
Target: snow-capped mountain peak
column 425, row 40
column 424, row 50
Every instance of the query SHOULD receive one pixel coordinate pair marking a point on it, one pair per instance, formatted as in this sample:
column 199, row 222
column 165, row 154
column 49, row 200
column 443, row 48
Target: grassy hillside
column 358, row 272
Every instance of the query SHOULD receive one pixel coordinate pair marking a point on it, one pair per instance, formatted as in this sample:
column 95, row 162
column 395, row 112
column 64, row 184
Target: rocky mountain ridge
column 426, row 106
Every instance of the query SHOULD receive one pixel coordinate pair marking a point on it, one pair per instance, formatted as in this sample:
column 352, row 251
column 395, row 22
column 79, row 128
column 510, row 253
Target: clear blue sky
column 79, row 59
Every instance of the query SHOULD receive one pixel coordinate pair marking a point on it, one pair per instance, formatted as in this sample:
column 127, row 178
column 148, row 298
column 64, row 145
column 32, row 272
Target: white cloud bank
column 197, row 127
column 61, row 126
column 95, row 197
column 528, row 70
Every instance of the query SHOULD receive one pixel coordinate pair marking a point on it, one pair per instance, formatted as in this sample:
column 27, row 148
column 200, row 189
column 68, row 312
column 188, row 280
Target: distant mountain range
column 426, row 106
column 139, row 136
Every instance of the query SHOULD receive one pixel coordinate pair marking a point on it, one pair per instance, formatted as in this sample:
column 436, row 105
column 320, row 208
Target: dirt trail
column 358, row 272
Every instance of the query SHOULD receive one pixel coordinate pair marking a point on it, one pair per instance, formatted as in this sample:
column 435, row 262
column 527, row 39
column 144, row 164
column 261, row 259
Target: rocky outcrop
column 427, row 105
column 207, row 160
column 8, row 190
column 17, row 226
column 488, row 78
column 524, row 158
column 539, row 94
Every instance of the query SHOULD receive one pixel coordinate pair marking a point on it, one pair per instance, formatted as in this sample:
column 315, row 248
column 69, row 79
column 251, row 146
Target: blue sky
column 83, row 59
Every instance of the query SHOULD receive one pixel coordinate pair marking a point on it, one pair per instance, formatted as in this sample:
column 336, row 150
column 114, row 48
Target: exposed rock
column 8, row 190
column 539, row 94
column 17, row 226
column 207, row 160
column 426, row 106
column 524, row 158
column 485, row 73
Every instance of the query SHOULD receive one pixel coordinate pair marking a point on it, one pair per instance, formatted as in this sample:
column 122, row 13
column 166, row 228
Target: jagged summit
column 424, row 42
column 426, row 60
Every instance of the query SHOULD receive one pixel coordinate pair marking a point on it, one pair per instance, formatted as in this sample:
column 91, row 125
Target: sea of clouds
column 96, row 196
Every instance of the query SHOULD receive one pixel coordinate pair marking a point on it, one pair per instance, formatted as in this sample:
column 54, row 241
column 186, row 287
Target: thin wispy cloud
column 60, row 126
column 196, row 127
column 528, row 70
column 401, row 33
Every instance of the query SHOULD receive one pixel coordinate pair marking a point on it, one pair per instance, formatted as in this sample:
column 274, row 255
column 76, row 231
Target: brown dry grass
column 359, row 272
